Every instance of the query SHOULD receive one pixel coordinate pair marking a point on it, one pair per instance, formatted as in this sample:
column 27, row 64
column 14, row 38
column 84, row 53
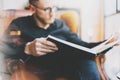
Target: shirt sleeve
column 11, row 45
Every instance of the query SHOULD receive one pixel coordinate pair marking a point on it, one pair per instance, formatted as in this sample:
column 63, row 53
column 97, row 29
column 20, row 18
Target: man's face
column 45, row 11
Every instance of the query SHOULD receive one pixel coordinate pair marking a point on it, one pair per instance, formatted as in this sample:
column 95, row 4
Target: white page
column 102, row 44
column 107, row 46
column 118, row 75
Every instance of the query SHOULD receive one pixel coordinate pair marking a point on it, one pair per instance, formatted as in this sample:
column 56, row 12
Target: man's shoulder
column 22, row 19
column 58, row 22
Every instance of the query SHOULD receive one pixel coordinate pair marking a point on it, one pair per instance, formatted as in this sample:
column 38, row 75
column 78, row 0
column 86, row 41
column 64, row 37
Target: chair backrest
column 6, row 17
column 71, row 18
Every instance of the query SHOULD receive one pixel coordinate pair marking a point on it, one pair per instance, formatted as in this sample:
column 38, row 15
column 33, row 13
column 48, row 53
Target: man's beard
column 43, row 21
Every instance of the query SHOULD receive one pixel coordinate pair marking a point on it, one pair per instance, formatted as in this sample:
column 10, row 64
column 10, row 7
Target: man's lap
column 84, row 70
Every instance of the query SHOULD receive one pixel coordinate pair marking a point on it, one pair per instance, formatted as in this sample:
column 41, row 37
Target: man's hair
column 33, row 2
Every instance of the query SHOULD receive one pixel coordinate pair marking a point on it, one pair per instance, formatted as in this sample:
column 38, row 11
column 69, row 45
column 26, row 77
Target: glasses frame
column 48, row 9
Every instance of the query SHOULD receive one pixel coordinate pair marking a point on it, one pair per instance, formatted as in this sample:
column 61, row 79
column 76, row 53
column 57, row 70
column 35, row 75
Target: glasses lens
column 53, row 9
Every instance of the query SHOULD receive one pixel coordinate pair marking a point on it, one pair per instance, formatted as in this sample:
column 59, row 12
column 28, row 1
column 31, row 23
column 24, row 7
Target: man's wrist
column 27, row 48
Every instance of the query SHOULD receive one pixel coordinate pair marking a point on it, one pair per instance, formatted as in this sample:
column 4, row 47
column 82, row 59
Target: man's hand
column 39, row 47
column 115, row 37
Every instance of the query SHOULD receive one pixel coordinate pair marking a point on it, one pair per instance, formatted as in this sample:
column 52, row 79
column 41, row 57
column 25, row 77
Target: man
column 33, row 47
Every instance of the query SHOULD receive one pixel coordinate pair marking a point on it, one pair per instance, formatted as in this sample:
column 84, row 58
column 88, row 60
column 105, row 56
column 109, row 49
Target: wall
column 109, row 7
column 14, row 4
column 19, row 4
column 112, row 23
column 1, row 4
column 112, row 64
column 92, row 21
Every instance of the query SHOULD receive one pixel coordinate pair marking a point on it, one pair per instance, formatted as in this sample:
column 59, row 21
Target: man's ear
column 32, row 8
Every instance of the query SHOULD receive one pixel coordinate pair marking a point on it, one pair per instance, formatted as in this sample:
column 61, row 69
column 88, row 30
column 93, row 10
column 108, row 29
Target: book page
column 102, row 44
column 105, row 47
column 118, row 75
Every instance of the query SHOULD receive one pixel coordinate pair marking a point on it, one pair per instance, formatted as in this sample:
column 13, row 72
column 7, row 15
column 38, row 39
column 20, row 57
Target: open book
column 118, row 75
column 94, row 51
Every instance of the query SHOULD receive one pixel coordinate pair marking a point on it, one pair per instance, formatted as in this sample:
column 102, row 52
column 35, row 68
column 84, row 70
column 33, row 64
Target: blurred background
column 98, row 20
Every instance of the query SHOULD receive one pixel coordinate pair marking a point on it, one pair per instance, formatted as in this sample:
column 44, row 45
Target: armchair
column 71, row 19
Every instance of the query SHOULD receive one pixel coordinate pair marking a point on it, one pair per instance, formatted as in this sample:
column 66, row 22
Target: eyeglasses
column 48, row 9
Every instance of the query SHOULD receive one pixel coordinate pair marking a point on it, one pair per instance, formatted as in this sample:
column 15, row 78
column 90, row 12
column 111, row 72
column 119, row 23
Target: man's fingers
column 44, row 50
column 39, row 54
column 44, row 41
column 43, row 46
